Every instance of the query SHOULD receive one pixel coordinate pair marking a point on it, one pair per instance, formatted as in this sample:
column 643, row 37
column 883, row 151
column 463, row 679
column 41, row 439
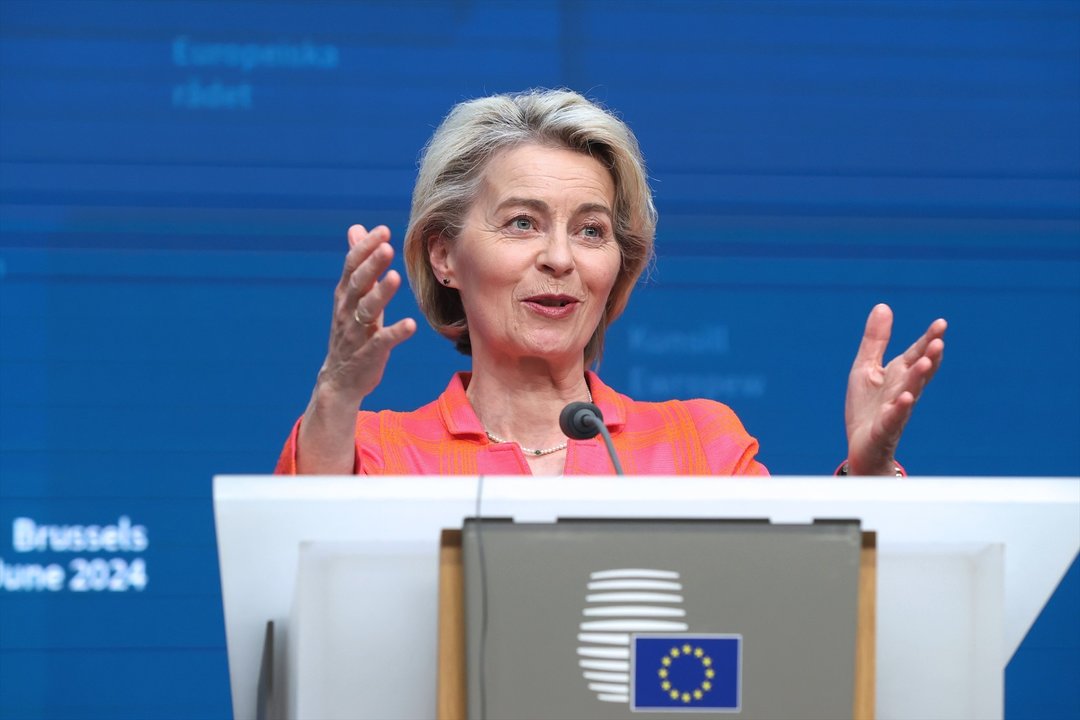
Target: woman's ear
column 439, row 257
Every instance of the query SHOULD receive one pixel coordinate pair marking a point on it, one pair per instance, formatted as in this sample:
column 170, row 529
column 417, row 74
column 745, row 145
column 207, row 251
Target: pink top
column 445, row 437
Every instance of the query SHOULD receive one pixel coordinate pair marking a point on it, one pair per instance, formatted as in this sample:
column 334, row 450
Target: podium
column 346, row 568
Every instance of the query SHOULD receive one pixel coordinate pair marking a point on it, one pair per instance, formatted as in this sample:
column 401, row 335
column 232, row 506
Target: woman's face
column 537, row 256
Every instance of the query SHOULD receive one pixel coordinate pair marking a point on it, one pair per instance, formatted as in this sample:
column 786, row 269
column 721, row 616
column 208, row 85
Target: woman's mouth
column 552, row 306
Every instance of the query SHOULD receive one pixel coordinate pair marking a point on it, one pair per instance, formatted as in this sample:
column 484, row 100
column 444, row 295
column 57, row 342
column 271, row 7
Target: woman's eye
column 522, row 223
column 593, row 231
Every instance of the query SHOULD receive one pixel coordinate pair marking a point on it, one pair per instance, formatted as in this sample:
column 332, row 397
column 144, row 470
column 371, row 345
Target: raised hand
column 360, row 345
column 880, row 398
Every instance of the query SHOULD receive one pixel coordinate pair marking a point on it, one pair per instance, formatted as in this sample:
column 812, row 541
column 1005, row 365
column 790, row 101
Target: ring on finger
column 359, row 321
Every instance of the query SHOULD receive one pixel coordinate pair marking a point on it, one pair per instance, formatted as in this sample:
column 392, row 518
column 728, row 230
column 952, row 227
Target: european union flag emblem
column 689, row 672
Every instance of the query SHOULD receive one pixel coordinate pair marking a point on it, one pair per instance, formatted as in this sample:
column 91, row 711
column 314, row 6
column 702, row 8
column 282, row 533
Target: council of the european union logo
column 620, row 603
column 686, row 671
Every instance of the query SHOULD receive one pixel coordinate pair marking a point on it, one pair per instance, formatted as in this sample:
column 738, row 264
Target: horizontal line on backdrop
column 189, row 201
column 562, row 12
column 869, row 210
column 331, row 243
column 871, row 288
column 255, row 203
column 705, row 249
column 135, row 278
column 136, row 452
column 92, row 403
column 58, row 450
column 868, row 251
column 202, row 364
column 559, row 13
column 381, row 40
column 281, row 118
column 180, row 163
column 654, row 169
column 653, row 282
column 355, row 77
column 294, row 97
column 659, row 285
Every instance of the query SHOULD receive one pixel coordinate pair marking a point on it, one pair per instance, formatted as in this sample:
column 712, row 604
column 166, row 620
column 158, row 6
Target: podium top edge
column 660, row 488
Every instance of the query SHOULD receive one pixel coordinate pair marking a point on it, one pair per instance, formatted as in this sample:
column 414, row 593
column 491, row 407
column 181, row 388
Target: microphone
column 581, row 421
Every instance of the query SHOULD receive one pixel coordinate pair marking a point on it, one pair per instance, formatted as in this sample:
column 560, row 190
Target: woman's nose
column 557, row 255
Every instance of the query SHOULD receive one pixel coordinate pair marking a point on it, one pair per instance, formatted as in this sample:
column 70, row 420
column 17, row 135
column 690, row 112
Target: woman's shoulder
column 434, row 420
column 706, row 435
column 697, row 411
column 426, row 417
column 702, row 413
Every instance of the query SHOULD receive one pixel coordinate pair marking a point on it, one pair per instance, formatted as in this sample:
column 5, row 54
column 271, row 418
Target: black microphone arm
column 581, row 421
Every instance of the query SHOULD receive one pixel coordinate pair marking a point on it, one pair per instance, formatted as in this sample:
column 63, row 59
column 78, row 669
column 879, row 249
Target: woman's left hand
column 880, row 399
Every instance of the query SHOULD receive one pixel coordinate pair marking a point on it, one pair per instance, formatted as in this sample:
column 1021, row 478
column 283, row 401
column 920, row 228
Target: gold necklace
column 534, row 451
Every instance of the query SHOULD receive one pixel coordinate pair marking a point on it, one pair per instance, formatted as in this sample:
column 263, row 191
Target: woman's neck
column 521, row 401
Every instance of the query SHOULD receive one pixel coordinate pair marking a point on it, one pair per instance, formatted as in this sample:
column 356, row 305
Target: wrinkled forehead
column 555, row 176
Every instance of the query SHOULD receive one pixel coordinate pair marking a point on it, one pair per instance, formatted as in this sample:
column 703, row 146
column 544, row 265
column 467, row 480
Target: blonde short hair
column 452, row 167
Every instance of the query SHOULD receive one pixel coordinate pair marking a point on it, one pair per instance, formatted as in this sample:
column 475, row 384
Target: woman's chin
column 555, row 350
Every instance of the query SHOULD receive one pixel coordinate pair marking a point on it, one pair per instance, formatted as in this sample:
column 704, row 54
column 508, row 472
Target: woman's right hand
column 360, row 345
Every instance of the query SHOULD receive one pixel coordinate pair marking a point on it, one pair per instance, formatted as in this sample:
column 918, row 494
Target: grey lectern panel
column 645, row 619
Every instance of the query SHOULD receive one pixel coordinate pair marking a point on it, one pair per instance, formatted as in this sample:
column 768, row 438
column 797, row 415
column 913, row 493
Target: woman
column 531, row 221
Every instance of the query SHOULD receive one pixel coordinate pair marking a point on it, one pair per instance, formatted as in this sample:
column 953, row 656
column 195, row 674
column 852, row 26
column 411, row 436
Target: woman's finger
column 918, row 348
column 389, row 337
column 875, row 337
column 356, row 234
column 354, row 255
column 376, row 352
column 361, row 245
column 935, row 352
column 365, row 277
column 373, row 303
column 894, row 417
column 916, row 377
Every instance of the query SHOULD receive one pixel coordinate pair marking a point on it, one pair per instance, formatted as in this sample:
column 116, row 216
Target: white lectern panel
column 940, row 636
column 361, row 629
column 261, row 522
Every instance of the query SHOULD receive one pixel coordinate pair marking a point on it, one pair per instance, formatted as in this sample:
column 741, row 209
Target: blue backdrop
column 176, row 179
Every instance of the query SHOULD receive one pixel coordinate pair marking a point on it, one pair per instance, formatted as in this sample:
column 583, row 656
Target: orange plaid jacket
column 445, row 437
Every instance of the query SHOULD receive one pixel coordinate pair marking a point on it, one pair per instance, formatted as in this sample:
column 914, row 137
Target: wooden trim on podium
column 866, row 630
column 450, row 703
